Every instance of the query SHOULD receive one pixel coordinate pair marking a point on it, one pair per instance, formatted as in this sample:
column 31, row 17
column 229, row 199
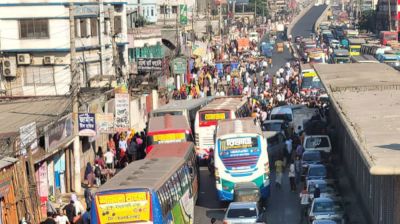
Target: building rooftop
column 367, row 95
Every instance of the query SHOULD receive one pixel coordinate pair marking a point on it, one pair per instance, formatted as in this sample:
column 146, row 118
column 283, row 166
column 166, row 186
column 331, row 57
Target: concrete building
column 146, row 8
column 35, row 44
column 168, row 10
column 364, row 117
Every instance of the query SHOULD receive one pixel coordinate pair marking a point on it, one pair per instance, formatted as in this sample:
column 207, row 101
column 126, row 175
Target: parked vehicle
column 242, row 213
column 310, row 158
column 327, row 208
column 317, row 142
column 324, row 221
column 316, row 172
column 275, row 144
column 275, row 125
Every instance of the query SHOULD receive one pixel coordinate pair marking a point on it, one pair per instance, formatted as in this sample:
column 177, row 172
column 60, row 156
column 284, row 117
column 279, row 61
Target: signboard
column 183, row 19
column 87, row 124
column 155, row 51
column 58, row 133
column 171, row 137
column 239, row 143
column 43, row 188
column 214, row 116
column 86, row 10
column 28, row 137
column 124, row 207
column 150, row 64
column 179, row 65
column 105, row 123
column 121, row 122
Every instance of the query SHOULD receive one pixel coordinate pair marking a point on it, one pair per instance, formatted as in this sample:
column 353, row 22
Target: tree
column 368, row 20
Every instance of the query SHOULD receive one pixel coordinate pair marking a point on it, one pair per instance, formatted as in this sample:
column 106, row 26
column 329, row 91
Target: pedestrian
column 86, row 216
column 317, row 191
column 298, row 169
column 88, row 197
column 304, row 201
column 288, row 144
column 109, row 156
column 78, row 205
column 292, row 177
column 88, row 177
column 278, row 172
column 100, row 152
column 62, row 218
column 70, row 211
column 299, row 150
column 49, row 219
column 97, row 174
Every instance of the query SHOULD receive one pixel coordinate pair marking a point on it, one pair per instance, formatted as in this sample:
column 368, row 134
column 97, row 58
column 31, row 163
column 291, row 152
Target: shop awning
column 6, row 161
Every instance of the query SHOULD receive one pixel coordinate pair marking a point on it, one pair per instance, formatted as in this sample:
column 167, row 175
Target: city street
column 283, row 205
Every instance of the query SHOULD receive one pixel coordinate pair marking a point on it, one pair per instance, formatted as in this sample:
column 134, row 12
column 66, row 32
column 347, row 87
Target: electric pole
column 101, row 36
column 116, row 63
column 220, row 20
column 75, row 85
column 390, row 15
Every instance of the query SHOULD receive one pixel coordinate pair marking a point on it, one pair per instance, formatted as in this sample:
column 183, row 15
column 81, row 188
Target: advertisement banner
column 150, row 64
column 105, row 123
column 43, row 189
column 179, row 65
column 87, row 124
column 121, row 122
column 183, row 19
column 28, row 137
column 58, row 133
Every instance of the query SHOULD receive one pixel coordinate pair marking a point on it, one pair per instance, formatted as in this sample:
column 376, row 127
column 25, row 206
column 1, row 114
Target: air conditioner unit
column 48, row 60
column 23, row 59
column 8, row 68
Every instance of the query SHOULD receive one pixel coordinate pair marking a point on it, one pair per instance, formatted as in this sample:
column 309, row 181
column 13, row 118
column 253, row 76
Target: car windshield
column 311, row 157
column 286, row 117
column 328, row 206
column 272, row 127
column 321, row 186
column 242, row 213
column 318, row 171
column 317, row 142
column 311, row 83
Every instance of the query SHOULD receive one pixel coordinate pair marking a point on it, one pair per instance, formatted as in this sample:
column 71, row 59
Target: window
column 93, row 27
column 175, row 9
column 117, row 25
column 152, row 12
column 83, row 28
column 33, row 28
column 38, row 76
column 163, row 9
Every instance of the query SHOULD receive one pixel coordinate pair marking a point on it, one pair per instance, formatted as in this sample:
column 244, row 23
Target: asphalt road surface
column 283, row 205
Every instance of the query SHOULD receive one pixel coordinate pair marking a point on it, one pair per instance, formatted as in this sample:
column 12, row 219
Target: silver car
column 241, row 213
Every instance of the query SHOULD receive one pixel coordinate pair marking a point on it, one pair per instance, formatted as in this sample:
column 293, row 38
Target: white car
column 242, row 213
column 317, row 142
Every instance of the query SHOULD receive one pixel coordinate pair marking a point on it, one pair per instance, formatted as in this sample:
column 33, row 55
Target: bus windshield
column 160, row 114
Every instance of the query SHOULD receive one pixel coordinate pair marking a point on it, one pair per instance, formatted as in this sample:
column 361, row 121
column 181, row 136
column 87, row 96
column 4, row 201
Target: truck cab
column 388, row 36
column 355, row 46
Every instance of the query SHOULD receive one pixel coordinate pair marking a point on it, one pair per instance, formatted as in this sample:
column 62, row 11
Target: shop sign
column 121, row 88
column 58, row 133
column 105, row 123
column 121, row 122
column 87, row 124
column 155, row 51
column 150, row 64
column 42, row 187
column 28, row 137
column 179, row 65
column 183, row 19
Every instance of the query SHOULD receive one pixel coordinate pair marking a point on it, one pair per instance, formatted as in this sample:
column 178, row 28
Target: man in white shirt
column 61, row 218
column 109, row 157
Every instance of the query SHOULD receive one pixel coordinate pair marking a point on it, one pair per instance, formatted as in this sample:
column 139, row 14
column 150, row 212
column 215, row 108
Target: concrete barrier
column 322, row 18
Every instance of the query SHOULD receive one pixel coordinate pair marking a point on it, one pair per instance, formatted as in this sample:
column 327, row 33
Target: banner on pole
column 183, row 19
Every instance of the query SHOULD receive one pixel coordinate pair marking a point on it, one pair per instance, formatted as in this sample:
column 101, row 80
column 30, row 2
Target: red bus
column 168, row 129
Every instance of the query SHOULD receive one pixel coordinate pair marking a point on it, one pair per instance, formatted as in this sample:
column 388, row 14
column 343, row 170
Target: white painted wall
column 144, row 8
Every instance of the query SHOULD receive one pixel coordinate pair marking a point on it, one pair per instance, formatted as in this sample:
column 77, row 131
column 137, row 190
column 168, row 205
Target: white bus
column 240, row 156
column 220, row 108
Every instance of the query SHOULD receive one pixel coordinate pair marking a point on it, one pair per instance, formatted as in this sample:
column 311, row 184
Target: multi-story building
column 35, row 44
column 145, row 8
column 168, row 10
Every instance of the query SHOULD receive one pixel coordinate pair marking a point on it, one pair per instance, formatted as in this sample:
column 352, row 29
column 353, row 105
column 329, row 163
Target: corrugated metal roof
column 7, row 161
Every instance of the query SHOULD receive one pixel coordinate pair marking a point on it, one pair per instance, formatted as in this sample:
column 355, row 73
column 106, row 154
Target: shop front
column 8, row 207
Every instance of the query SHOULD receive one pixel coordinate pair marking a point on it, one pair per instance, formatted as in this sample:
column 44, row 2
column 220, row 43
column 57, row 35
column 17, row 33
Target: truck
column 388, row 36
column 340, row 56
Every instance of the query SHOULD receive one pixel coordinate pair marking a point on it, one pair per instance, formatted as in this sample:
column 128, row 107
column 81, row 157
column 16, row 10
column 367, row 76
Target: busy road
column 283, row 205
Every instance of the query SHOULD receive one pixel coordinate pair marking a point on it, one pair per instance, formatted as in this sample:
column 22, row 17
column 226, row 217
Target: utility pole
column 255, row 12
column 101, row 36
column 116, row 64
column 178, row 42
column 220, row 20
column 208, row 19
column 390, row 15
column 75, row 79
